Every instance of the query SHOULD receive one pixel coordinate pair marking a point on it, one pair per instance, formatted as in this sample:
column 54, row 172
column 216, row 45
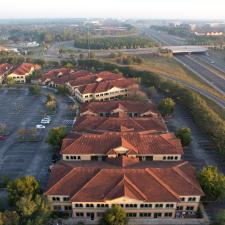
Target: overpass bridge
column 186, row 49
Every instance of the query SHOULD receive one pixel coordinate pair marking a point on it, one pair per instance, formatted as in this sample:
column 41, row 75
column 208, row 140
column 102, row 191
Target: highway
column 211, row 78
column 204, row 93
column 207, row 75
column 213, row 61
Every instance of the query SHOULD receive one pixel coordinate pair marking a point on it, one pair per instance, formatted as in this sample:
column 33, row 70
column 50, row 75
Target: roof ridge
column 162, row 183
column 123, row 137
column 61, row 179
column 134, row 121
column 171, row 144
column 181, row 173
column 118, row 183
column 99, row 170
column 134, row 186
column 63, row 151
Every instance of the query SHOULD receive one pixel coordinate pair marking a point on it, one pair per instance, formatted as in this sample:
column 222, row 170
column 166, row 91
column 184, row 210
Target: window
column 89, row 206
column 100, row 214
column 78, row 205
column 146, row 205
column 157, row 215
column 176, row 157
column 79, row 214
column 182, row 199
column 159, row 205
column 164, row 157
column 169, row 205
column 145, row 214
column 78, row 157
column 192, row 199
column 57, row 207
column 66, row 199
column 189, row 208
column 180, row 207
column 68, row 207
column 67, row 157
column 168, row 214
column 102, row 206
column 56, row 199
column 131, row 214
column 131, row 205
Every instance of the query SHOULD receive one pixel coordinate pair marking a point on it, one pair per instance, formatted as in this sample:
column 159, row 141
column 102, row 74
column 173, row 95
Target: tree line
column 114, row 42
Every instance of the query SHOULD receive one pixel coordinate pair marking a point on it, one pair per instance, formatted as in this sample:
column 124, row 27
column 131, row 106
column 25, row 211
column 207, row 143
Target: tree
column 62, row 89
column 55, row 136
column 22, row 187
column 9, row 218
column 35, row 90
column 69, row 66
column 92, row 55
column 166, row 106
column 22, row 133
column 31, row 207
column 212, row 183
column 2, row 128
column 220, row 218
column 11, row 82
column 184, row 134
column 114, row 216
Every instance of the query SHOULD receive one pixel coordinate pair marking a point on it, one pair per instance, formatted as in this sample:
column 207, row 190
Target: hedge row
column 204, row 117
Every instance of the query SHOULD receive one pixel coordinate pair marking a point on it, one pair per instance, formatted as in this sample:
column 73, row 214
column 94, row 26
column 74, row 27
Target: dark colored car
column 2, row 138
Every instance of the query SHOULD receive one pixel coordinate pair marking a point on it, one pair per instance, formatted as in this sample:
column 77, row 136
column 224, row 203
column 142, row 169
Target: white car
column 45, row 121
column 47, row 118
column 39, row 126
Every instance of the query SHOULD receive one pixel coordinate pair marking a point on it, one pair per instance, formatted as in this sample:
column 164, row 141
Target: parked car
column 45, row 121
column 47, row 118
column 39, row 126
column 2, row 138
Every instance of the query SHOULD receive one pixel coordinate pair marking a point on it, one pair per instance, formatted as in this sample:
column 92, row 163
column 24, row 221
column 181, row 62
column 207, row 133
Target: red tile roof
column 136, row 143
column 89, row 181
column 24, row 68
column 120, row 123
column 55, row 74
column 106, row 86
column 126, row 106
column 4, row 68
column 94, row 79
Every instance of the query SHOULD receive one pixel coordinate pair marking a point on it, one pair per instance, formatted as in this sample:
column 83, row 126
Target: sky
column 152, row 9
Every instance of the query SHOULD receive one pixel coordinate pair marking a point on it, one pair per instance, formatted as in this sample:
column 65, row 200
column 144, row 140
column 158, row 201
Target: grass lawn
column 170, row 67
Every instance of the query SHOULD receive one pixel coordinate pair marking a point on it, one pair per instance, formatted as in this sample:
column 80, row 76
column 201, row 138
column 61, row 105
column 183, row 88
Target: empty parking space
column 20, row 110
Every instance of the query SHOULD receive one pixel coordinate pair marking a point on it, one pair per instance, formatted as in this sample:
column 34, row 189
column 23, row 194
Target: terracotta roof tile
column 143, row 144
column 119, row 123
column 4, row 68
column 89, row 181
column 126, row 106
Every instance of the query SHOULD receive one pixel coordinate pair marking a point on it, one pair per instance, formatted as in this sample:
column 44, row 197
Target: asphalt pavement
column 18, row 109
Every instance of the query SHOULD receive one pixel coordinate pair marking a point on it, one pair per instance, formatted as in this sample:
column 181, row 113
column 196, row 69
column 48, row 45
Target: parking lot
column 18, row 109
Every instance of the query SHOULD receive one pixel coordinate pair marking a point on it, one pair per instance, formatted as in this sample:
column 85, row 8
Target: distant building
column 209, row 34
column 23, row 71
column 146, row 190
column 146, row 147
column 4, row 69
